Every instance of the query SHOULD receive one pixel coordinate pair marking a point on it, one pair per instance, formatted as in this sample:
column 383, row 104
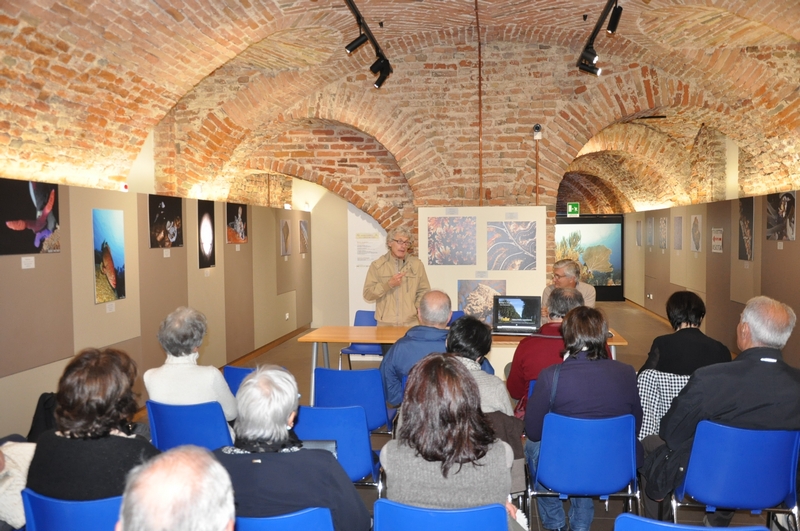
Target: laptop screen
column 517, row 313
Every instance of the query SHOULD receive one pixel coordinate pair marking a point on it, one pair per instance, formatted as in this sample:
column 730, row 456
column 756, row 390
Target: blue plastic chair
column 49, row 514
column 348, row 427
column 234, row 376
column 588, row 458
column 457, row 314
column 393, row 516
column 736, row 468
column 363, row 318
column 316, row 518
column 199, row 424
column 531, row 385
column 363, row 388
column 631, row 522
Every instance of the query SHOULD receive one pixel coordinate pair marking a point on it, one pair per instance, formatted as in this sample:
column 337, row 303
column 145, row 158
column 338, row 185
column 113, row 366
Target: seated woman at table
column 587, row 385
column 446, row 455
column 687, row 349
column 271, row 472
column 181, row 381
column 91, row 450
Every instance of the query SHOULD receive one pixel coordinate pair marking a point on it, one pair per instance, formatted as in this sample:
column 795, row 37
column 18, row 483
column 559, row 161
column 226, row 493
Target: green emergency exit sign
column 573, row 210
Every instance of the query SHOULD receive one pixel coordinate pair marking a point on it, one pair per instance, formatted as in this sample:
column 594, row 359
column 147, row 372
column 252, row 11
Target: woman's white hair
column 265, row 400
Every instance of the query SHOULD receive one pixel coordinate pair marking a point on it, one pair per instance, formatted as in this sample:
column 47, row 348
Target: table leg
column 613, row 352
column 325, row 357
column 314, row 349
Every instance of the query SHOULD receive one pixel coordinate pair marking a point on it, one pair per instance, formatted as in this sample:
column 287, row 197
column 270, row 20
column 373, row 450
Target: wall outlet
column 287, row 316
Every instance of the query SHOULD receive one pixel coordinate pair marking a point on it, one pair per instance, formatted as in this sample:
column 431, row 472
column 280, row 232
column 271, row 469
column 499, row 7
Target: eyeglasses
column 402, row 243
column 556, row 276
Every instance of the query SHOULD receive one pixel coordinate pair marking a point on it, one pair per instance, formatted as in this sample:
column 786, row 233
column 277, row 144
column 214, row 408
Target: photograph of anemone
column 108, row 234
column 29, row 221
column 236, row 220
column 206, row 246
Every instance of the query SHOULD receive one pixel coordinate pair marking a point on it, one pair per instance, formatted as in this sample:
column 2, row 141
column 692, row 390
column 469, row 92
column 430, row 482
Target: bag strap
column 555, row 384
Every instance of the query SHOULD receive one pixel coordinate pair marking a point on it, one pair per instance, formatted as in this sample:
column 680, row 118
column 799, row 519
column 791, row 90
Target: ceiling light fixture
column 590, row 68
column 385, row 71
column 381, row 66
column 613, row 22
column 356, row 44
column 588, row 57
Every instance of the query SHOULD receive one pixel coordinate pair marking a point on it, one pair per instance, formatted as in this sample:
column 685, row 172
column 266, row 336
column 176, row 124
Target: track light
column 385, row 70
column 590, row 68
column 356, row 44
column 377, row 66
column 589, row 56
column 613, row 22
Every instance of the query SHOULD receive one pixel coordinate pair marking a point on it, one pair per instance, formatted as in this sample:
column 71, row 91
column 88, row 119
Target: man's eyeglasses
column 402, row 243
column 556, row 276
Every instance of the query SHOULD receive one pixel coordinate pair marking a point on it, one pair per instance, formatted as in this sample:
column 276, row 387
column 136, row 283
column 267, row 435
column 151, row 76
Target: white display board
column 366, row 242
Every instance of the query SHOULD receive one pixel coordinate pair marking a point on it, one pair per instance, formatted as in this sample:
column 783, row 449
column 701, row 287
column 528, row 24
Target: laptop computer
column 516, row 315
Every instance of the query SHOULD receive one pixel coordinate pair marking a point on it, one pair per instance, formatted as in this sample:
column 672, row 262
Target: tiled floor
column 638, row 326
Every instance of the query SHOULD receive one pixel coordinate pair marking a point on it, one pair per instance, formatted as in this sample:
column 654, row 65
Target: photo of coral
column 305, row 242
column 28, row 217
column 650, row 232
column 236, row 223
column 285, row 237
column 662, row 233
column 206, row 238
column 511, row 245
column 677, row 233
column 597, row 247
column 781, row 216
column 746, row 229
column 475, row 297
column 697, row 231
column 108, row 234
column 452, row 240
column 166, row 221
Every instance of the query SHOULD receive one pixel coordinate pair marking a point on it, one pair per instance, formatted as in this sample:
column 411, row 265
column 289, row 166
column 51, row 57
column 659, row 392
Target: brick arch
column 595, row 195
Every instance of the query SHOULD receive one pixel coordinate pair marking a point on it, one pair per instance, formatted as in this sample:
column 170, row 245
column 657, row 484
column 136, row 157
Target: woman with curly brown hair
column 90, row 452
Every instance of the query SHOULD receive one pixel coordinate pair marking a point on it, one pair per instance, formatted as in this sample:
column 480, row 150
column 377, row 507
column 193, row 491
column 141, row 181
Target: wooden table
column 389, row 335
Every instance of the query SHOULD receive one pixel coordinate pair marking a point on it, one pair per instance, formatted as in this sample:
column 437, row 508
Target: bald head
column 184, row 489
column 434, row 309
column 765, row 322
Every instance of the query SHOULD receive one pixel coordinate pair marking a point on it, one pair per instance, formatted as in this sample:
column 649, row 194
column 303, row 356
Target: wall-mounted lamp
column 356, row 44
column 613, row 22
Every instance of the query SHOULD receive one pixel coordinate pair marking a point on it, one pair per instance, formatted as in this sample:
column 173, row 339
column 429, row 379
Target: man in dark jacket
column 757, row 390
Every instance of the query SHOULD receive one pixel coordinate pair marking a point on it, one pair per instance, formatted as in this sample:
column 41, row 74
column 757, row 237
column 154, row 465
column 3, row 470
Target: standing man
column 567, row 274
column 396, row 282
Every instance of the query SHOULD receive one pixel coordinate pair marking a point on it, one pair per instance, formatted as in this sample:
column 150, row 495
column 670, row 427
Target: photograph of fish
column 746, row 228
column 206, row 246
column 781, row 216
column 286, row 238
column 29, row 221
column 452, row 240
column 511, row 246
column 696, row 241
column 166, row 221
column 108, row 233
column 475, row 297
column 236, row 219
column 677, row 233
column 305, row 241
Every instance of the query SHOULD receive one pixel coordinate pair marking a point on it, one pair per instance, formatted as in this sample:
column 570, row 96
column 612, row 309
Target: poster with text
column 108, row 237
column 716, row 240
column 746, row 229
column 677, row 233
column 452, row 240
column 166, row 221
column 29, row 221
column 696, row 231
column 475, row 297
column 781, row 216
column 206, row 244
column 511, row 245
column 236, row 223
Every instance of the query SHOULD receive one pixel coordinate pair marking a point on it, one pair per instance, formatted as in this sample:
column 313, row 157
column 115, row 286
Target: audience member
column 687, row 349
column 471, row 340
column 757, row 390
column 541, row 350
column 90, row 452
column 396, row 282
column 180, row 381
column 587, row 385
column 184, row 489
column 15, row 458
column 446, row 455
column 272, row 473
column 429, row 336
column 567, row 274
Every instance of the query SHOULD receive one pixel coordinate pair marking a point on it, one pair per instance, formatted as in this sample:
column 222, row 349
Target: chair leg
column 674, row 503
column 349, row 363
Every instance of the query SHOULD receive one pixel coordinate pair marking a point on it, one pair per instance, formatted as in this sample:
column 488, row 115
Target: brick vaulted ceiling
column 237, row 90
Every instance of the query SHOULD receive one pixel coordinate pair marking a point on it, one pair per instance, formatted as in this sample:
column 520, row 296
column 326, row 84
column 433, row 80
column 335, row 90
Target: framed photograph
column 108, row 235
column 662, row 232
column 29, row 217
column 677, row 233
column 696, row 229
column 746, row 229
column 286, row 238
column 781, row 216
column 206, row 246
column 650, row 231
column 452, row 240
column 511, row 245
column 236, row 223
column 166, row 221
column 305, row 237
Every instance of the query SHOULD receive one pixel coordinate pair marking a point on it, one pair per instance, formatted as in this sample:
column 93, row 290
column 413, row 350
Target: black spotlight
column 613, row 22
column 385, row 70
column 356, row 44
column 589, row 56
column 590, row 68
column 377, row 66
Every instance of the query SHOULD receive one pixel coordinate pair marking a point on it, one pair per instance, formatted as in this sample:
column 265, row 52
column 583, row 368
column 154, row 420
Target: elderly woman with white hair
column 181, row 381
column 272, row 473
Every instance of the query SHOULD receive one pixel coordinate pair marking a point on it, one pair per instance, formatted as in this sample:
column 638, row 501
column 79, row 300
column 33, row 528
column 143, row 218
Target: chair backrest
column 363, row 388
column 631, row 522
column 590, row 457
column 199, row 424
column 738, row 468
column 316, row 518
column 235, row 376
column 364, row 318
column 393, row 516
column 457, row 314
column 531, row 385
column 49, row 514
column 348, row 427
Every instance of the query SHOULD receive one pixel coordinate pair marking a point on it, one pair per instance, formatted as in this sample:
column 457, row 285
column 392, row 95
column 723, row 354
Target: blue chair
column 316, row 518
column 199, row 424
column 600, row 462
column 735, row 468
column 49, row 514
column 363, row 388
column 393, row 516
column 531, row 385
column 235, row 375
column 363, row 318
column 630, row 522
column 348, row 427
column 457, row 314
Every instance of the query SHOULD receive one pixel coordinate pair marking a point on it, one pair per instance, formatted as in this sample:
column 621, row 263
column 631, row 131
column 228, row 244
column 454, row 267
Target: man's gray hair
column 184, row 489
column 396, row 233
column 434, row 308
column 562, row 300
column 182, row 331
column 570, row 267
column 265, row 400
column 771, row 322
